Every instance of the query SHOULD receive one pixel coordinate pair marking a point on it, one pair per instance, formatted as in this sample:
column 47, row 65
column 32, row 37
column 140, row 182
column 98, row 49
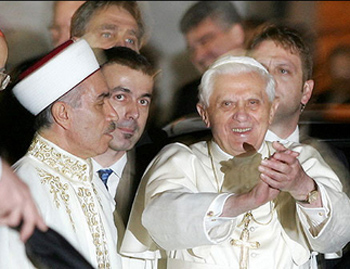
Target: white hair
column 233, row 65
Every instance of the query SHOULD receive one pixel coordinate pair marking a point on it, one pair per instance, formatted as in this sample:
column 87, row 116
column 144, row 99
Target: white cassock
column 69, row 202
column 183, row 203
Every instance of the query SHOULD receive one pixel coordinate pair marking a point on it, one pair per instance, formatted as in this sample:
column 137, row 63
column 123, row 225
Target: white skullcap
column 229, row 59
column 55, row 74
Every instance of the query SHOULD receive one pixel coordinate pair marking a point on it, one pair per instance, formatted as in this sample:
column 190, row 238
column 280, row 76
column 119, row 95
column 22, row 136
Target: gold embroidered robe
column 69, row 203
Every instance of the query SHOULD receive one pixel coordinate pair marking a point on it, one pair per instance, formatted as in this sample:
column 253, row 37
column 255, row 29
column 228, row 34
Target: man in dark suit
column 130, row 77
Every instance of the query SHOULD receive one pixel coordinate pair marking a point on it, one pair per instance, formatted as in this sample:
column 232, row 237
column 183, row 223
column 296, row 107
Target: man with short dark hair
column 288, row 57
column 210, row 29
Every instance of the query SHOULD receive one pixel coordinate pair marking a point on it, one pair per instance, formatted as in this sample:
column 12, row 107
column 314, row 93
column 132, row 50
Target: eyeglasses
column 4, row 79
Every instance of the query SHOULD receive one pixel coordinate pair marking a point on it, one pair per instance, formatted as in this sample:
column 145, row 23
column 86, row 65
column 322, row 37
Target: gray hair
column 233, row 65
column 89, row 9
column 45, row 119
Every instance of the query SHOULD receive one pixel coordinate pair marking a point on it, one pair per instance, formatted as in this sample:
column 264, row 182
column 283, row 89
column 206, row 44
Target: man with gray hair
column 107, row 24
column 238, row 201
column 69, row 97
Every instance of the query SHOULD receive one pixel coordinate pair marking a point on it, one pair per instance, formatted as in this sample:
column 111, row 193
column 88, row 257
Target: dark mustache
column 111, row 127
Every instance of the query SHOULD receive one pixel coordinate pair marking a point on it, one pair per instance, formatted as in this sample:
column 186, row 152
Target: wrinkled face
column 286, row 68
column 207, row 41
column 113, row 27
column 239, row 111
column 93, row 121
column 131, row 98
column 63, row 13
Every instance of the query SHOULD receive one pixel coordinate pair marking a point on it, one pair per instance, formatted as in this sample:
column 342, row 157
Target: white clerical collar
column 220, row 154
column 294, row 137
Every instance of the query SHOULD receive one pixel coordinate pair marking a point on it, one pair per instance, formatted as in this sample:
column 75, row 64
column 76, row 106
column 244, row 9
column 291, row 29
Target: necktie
column 104, row 174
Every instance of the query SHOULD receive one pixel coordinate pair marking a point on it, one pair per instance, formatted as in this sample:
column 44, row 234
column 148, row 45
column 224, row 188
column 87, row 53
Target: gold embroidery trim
column 95, row 225
column 74, row 169
column 58, row 190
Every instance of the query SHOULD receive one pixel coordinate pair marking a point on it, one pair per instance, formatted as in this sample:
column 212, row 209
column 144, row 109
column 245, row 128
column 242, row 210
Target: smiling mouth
column 241, row 130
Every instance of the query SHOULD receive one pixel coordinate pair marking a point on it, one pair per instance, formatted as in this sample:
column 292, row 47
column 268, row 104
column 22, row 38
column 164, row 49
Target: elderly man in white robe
column 238, row 201
column 68, row 94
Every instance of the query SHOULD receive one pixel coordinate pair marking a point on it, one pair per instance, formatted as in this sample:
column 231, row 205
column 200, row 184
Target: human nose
column 110, row 112
column 132, row 111
column 198, row 54
column 241, row 114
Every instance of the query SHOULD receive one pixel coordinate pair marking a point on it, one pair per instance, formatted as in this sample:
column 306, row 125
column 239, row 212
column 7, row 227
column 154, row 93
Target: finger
column 14, row 217
column 278, row 146
column 285, row 157
column 27, row 230
column 269, row 181
column 41, row 224
column 269, row 166
column 31, row 215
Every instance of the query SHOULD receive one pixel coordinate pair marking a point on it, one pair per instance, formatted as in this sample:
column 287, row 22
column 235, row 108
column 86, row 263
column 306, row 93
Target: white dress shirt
column 294, row 137
column 113, row 180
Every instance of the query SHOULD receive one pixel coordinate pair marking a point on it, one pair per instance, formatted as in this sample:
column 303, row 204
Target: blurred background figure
column 16, row 140
column 338, row 91
column 16, row 203
column 107, row 24
column 62, row 15
column 210, row 29
column 3, row 53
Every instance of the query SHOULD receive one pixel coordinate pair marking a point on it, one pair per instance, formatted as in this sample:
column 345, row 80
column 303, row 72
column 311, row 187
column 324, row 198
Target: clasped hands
column 283, row 172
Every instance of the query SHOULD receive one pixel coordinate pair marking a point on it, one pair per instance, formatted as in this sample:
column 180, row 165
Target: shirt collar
column 294, row 137
column 219, row 154
column 117, row 167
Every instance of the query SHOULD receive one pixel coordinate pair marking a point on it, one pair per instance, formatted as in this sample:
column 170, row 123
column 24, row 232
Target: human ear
column 60, row 114
column 307, row 91
column 202, row 111
column 273, row 109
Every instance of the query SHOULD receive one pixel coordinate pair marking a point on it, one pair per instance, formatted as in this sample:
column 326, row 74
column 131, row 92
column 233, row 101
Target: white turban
column 55, row 74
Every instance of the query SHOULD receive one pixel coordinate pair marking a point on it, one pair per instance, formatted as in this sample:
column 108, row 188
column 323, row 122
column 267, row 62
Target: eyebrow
column 123, row 89
column 104, row 95
column 114, row 27
column 107, row 27
column 147, row 95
